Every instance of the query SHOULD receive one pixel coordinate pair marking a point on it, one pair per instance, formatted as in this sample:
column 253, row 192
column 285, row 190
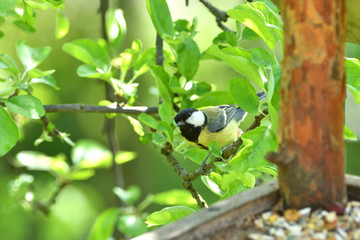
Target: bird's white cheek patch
column 197, row 119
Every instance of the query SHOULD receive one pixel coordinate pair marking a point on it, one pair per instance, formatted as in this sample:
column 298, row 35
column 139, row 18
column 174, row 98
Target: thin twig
column 45, row 207
column 83, row 108
column 221, row 16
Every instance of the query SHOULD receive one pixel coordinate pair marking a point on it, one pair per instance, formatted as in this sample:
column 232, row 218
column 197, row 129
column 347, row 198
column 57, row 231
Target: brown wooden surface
column 225, row 219
column 311, row 161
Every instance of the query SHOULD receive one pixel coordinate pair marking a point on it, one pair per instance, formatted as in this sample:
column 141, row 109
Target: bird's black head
column 190, row 121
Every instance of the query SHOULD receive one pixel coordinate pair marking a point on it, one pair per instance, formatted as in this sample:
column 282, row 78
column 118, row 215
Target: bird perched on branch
column 219, row 123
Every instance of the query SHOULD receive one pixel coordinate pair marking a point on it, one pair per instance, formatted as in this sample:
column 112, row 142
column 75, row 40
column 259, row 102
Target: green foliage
column 9, row 132
column 167, row 215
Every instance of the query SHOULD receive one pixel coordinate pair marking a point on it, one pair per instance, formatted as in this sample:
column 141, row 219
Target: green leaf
column 104, row 225
column 130, row 56
column 238, row 61
column 162, row 79
column 141, row 66
column 41, row 162
column 188, row 56
column 138, row 128
column 348, row 134
column 62, row 26
column 166, row 111
column 47, row 80
column 125, row 156
column 26, row 105
column 37, row 73
column 23, row 26
column 115, row 27
column 31, row 57
column 167, row 129
column 226, row 37
column 261, row 57
column 168, row 214
column 199, row 88
column 235, row 187
column 89, row 52
column 90, row 154
column 213, row 182
column 7, row 63
column 90, row 71
column 248, row 180
column 158, row 138
column 146, row 138
column 131, row 225
column 160, row 15
column 215, row 149
column 244, row 94
column 254, row 22
column 196, row 155
column 28, row 15
column 257, row 143
column 148, row 120
column 352, row 66
column 20, row 186
column 268, row 169
column 80, row 174
column 213, row 98
column 128, row 196
column 9, row 132
column 174, row 197
column 7, row 5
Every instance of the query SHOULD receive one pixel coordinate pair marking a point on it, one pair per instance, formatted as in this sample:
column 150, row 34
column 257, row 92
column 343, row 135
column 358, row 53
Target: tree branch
column 221, row 16
column 83, row 108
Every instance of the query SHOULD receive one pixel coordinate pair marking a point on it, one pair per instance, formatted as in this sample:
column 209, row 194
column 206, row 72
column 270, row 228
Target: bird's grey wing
column 221, row 116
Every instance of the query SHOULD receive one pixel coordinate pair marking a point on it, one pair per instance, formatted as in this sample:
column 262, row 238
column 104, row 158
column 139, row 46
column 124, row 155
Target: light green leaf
column 28, row 15
column 41, row 162
column 7, row 63
column 226, row 37
column 348, row 134
column 244, row 94
column 125, row 156
column 147, row 57
column 214, row 98
column 9, row 132
column 80, row 174
column 104, row 225
column 37, row 73
column 168, row 214
column 254, row 22
column 162, row 79
column 166, row 111
column 238, row 61
column 47, row 80
column 196, row 155
column 31, row 57
column 167, row 129
column 90, row 154
column 62, row 25
column 160, row 15
column 215, row 149
column 268, row 169
column 158, row 138
column 248, row 180
column 129, row 57
column 138, row 128
column 174, row 197
column 148, row 120
column 89, row 52
column 26, row 105
column 90, row 71
column 7, row 5
column 213, row 182
column 56, row 3
column 128, row 196
column 115, row 27
column 353, row 77
column 131, row 225
column 188, row 56
column 261, row 57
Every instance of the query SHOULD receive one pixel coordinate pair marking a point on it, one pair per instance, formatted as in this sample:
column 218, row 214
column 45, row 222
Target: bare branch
column 83, row 108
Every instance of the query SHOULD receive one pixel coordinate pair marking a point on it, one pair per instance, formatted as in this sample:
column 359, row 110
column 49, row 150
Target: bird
column 220, row 123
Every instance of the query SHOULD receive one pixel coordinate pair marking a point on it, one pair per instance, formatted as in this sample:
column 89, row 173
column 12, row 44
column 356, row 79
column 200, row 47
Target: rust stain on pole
column 312, row 105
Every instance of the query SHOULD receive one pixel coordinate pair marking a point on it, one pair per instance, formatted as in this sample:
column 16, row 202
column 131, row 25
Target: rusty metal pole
column 311, row 159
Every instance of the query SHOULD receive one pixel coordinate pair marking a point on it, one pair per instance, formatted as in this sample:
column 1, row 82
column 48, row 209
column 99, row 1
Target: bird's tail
column 261, row 95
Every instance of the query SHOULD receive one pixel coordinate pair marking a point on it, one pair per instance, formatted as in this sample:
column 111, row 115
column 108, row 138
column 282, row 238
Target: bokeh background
column 78, row 204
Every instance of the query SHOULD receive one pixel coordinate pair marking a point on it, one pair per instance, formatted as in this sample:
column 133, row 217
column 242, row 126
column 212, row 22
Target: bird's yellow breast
column 228, row 135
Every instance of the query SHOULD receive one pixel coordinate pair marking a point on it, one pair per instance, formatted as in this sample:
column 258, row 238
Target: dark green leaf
column 238, row 61
column 188, row 56
column 249, row 34
column 115, row 27
column 167, row 215
column 244, row 94
column 167, row 129
column 9, row 132
column 226, row 37
column 23, row 26
column 182, row 25
column 200, row 88
column 56, row 2
column 131, row 225
column 196, row 155
column 128, row 196
column 90, row 154
column 146, row 138
column 348, row 134
column 62, row 26
column 214, row 98
column 254, row 22
column 89, row 52
column 31, row 57
column 26, row 105
column 174, row 197
column 160, row 15
column 104, row 225
column 353, row 77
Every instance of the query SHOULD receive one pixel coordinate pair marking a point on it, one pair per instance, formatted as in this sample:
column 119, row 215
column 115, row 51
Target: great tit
column 219, row 123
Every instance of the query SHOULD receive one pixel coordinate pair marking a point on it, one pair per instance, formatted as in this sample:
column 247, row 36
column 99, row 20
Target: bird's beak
column 180, row 123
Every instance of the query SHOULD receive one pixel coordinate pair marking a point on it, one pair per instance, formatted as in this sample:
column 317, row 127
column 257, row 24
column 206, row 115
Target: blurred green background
column 78, row 204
